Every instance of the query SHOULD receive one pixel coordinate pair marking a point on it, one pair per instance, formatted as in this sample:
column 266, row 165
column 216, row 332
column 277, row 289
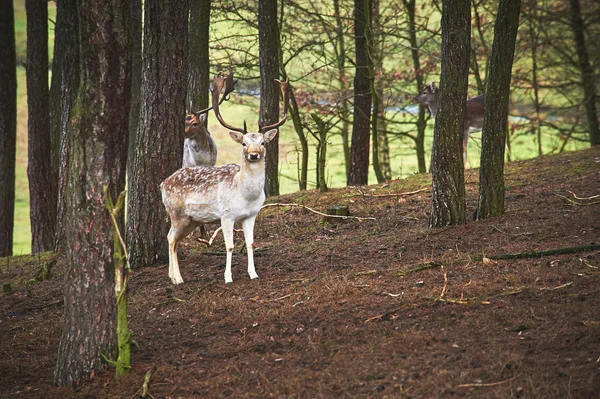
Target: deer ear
column 270, row 135
column 237, row 136
column 433, row 85
column 202, row 118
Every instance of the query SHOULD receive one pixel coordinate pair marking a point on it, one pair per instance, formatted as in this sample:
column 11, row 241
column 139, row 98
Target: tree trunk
column 448, row 191
column 199, row 63
column 343, row 82
column 493, row 137
column 359, row 150
column 159, row 139
column 136, row 77
column 8, row 126
column 63, row 93
column 587, row 72
column 97, row 159
column 42, row 193
column 421, row 122
column 268, row 40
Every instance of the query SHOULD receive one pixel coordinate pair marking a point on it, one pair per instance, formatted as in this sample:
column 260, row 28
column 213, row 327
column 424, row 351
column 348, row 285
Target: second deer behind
column 199, row 148
column 473, row 115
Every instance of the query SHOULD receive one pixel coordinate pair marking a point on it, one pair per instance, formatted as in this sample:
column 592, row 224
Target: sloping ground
column 382, row 308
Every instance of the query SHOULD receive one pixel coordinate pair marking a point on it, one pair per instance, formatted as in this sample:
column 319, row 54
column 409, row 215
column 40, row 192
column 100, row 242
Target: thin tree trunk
column 587, row 72
column 414, row 45
column 359, row 151
column 448, row 186
column 159, row 140
column 42, row 193
column 268, row 38
column 491, row 172
column 8, row 126
column 533, row 36
column 97, row 159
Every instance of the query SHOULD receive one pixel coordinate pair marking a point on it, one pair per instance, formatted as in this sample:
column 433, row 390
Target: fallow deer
column 199, row 148
column 229, row 194
column 473, row 115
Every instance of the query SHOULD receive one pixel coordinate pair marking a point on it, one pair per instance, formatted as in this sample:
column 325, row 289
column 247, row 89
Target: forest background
column 546, row 111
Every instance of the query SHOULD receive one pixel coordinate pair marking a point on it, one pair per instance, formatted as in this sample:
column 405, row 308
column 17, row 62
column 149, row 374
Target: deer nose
column 254, row 157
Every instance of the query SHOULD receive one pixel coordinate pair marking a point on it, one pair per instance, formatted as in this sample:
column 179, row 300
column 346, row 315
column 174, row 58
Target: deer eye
column 243, row 144
column 263, row 143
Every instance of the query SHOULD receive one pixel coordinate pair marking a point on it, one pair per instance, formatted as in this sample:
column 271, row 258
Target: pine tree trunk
column 63, row 93
column 587, row 72
column 8, row 126
column 97, row 159
column 343, row 83
column 359, row 151
column 448, row 192
column 158, row 147
column 135, row 10
column 42, row 193
column 493, row 137
column 199, row 63
column 268, row 40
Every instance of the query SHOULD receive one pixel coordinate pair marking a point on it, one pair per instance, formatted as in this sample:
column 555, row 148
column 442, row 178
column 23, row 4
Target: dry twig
column 394, row 194
column 491, row 384
column 360, row 219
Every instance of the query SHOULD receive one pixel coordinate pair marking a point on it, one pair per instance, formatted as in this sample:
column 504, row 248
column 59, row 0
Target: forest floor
column 384, row 308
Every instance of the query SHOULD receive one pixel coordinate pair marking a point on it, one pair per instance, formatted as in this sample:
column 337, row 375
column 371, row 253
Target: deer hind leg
column 248, row 226
column 227, row 226
column 176, row 234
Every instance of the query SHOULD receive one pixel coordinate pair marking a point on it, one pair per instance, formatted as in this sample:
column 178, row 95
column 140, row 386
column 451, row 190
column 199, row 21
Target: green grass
column 403, row 158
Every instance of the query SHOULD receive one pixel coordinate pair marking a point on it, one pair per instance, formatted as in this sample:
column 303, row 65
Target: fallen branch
column 394, row 194
column 580, row 201
column 491, row 384
column 212, row 238
column 360, row 219
column 384, row 315
column 145, row 390
column 539, row 254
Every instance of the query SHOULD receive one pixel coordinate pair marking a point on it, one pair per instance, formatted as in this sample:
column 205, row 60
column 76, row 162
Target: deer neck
column 433, row 106
column 251, row 179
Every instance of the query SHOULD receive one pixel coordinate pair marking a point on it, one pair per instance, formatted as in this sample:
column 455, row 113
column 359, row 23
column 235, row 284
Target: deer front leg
column 227, row 226
column 174, row 273
column 248, row 226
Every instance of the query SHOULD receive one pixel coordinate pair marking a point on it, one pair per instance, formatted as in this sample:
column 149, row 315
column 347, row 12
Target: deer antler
column 285, row 91
column 215, row 88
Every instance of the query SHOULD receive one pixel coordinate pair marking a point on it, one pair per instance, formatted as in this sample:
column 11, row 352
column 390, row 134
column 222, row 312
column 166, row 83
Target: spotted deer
column 199, row 148
column 229, row 194
column 473, row 115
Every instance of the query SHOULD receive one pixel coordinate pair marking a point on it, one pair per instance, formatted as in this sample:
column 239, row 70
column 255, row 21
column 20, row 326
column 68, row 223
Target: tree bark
column 199, row 63
column 343, row 83
column 268, row 40
column 8, row 126
column 135, row 10
column 493, row 137
column 358, row 173
column 448, row 186
column 63, row 93
column 587, row 72
column 97, row 159
column 159, row 139
column 421, row 123
column 42, row 193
